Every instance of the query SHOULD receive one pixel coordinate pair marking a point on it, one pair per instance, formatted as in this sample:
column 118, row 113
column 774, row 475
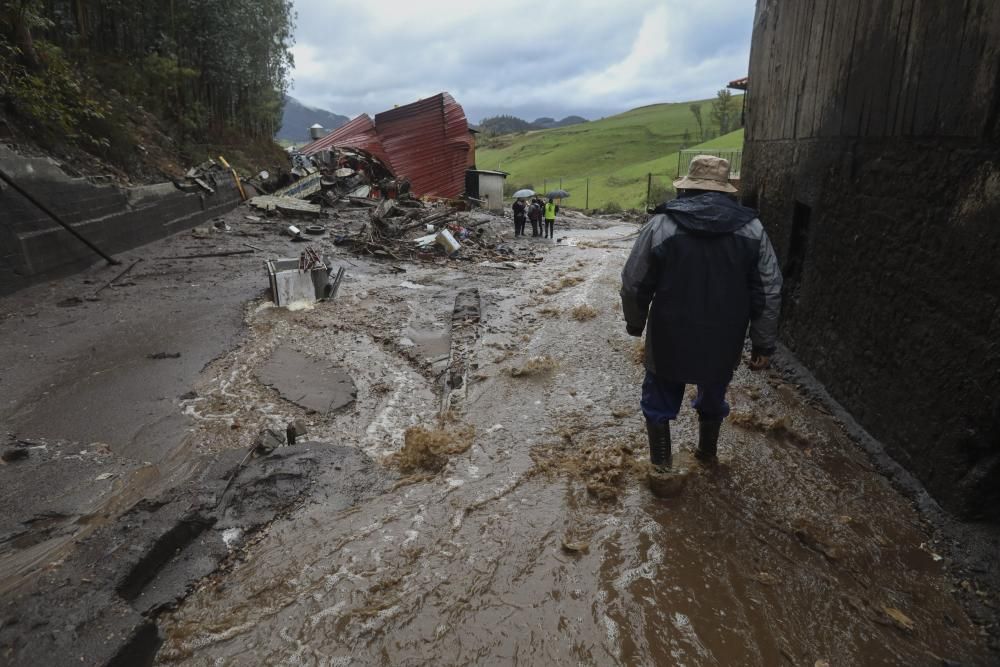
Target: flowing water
column 540, row 543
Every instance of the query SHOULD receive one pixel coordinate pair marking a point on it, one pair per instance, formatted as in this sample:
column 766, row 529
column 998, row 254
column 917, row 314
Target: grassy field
column 615, row 153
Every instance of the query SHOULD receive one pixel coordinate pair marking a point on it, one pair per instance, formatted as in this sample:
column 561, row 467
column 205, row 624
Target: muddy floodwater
column 533, row 538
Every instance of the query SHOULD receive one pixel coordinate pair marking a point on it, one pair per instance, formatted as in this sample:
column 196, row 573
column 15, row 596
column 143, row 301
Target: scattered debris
column 429, row 448
column 228, row 253
column 298, row 282
column 295, row 429
column 111, row 283
column 576, row 547
column 289, row 205
column 639, row 352
column 765, row 578
column 164, row 355
column 813, row 538
column 777, row 427
column 535, row 366
column 267, row 441
column 563, row 283
column 583, row 312
column 69, row 302
column 934, row 556
column 448, row 242
column 899, row 619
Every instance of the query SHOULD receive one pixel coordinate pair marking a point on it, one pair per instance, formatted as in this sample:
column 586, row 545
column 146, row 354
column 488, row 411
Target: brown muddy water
column 539, row 543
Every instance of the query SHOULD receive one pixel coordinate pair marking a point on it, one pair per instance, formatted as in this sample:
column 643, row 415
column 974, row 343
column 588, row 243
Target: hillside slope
column 615, row 153
column 297, row 118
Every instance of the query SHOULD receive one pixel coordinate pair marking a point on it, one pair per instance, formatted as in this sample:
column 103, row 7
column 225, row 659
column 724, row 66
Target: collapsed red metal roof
column 358, row 133
column 427, row 142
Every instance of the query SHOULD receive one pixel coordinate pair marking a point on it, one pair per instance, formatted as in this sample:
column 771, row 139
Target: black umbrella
column 557, row 194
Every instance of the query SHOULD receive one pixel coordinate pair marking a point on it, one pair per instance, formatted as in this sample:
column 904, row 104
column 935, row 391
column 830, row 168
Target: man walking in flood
column 701, row 270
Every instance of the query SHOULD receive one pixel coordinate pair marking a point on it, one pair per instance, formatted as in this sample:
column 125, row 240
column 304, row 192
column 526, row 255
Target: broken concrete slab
column 308, row 382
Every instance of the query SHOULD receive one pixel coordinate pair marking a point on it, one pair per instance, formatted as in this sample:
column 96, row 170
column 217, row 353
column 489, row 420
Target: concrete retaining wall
column 34, row 248
column 873, row 153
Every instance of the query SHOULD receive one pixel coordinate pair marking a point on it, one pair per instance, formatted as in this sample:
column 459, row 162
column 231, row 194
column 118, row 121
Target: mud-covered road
column 538, row 542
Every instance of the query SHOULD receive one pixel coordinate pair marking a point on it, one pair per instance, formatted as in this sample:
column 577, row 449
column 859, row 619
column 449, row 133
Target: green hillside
column 616, row 153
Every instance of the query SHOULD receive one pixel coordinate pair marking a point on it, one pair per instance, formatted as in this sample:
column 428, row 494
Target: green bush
column 55, row 99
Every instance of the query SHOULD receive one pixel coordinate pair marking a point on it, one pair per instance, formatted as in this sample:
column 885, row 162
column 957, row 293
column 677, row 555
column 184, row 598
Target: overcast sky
column 555, row 58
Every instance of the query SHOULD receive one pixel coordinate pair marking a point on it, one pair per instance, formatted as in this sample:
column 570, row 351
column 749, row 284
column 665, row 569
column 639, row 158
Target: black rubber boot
column 708, row 440
column 659, row 445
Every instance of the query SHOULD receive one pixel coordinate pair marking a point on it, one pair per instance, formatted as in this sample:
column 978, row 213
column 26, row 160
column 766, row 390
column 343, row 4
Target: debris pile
column 331, row 178
column 372, row 212
column 297, row 282
column 206, row 177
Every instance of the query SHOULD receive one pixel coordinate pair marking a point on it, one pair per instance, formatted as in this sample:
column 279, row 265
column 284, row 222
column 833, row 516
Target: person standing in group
column 551, row 208
column 519, row 217
column 535, row 215
column 701, row 270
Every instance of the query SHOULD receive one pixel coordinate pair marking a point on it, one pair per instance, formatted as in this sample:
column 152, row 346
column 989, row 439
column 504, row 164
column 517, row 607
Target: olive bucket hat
column 706, row 172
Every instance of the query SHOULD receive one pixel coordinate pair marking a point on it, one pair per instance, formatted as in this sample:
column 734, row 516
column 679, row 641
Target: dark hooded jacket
column 701, row 270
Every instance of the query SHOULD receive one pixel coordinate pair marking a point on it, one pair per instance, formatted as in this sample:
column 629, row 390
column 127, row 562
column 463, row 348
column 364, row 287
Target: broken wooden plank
column 285, row 205
column 302, row 188
column 211, row 254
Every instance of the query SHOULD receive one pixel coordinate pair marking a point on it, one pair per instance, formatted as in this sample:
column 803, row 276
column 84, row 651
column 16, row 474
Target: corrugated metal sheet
column 358, row 133
column 427, row 142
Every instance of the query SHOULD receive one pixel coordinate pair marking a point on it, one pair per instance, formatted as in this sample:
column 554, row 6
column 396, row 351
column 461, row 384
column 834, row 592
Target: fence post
column 649, row 187
column 587, row 205
column 545, row 185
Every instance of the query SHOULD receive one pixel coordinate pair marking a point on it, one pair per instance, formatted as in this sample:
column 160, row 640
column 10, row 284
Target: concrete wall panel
column 34, row 248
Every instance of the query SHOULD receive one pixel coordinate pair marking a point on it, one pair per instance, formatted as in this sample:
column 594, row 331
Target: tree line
column 207, row 65
column 723, row 113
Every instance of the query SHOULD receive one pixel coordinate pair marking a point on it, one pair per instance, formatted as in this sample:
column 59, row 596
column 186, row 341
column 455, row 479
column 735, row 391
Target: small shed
column 486, row 186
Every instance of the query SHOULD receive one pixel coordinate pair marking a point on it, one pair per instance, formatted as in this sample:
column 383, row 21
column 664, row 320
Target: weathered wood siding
column 874, row 68
column 873, row 153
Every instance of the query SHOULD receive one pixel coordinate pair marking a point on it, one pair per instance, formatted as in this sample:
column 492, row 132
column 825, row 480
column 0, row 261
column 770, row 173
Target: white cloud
column 555, row 58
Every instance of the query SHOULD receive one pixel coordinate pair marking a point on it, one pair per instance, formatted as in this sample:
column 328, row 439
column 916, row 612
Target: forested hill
column 127, row 79
column 505, row 124
column 298, row 118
